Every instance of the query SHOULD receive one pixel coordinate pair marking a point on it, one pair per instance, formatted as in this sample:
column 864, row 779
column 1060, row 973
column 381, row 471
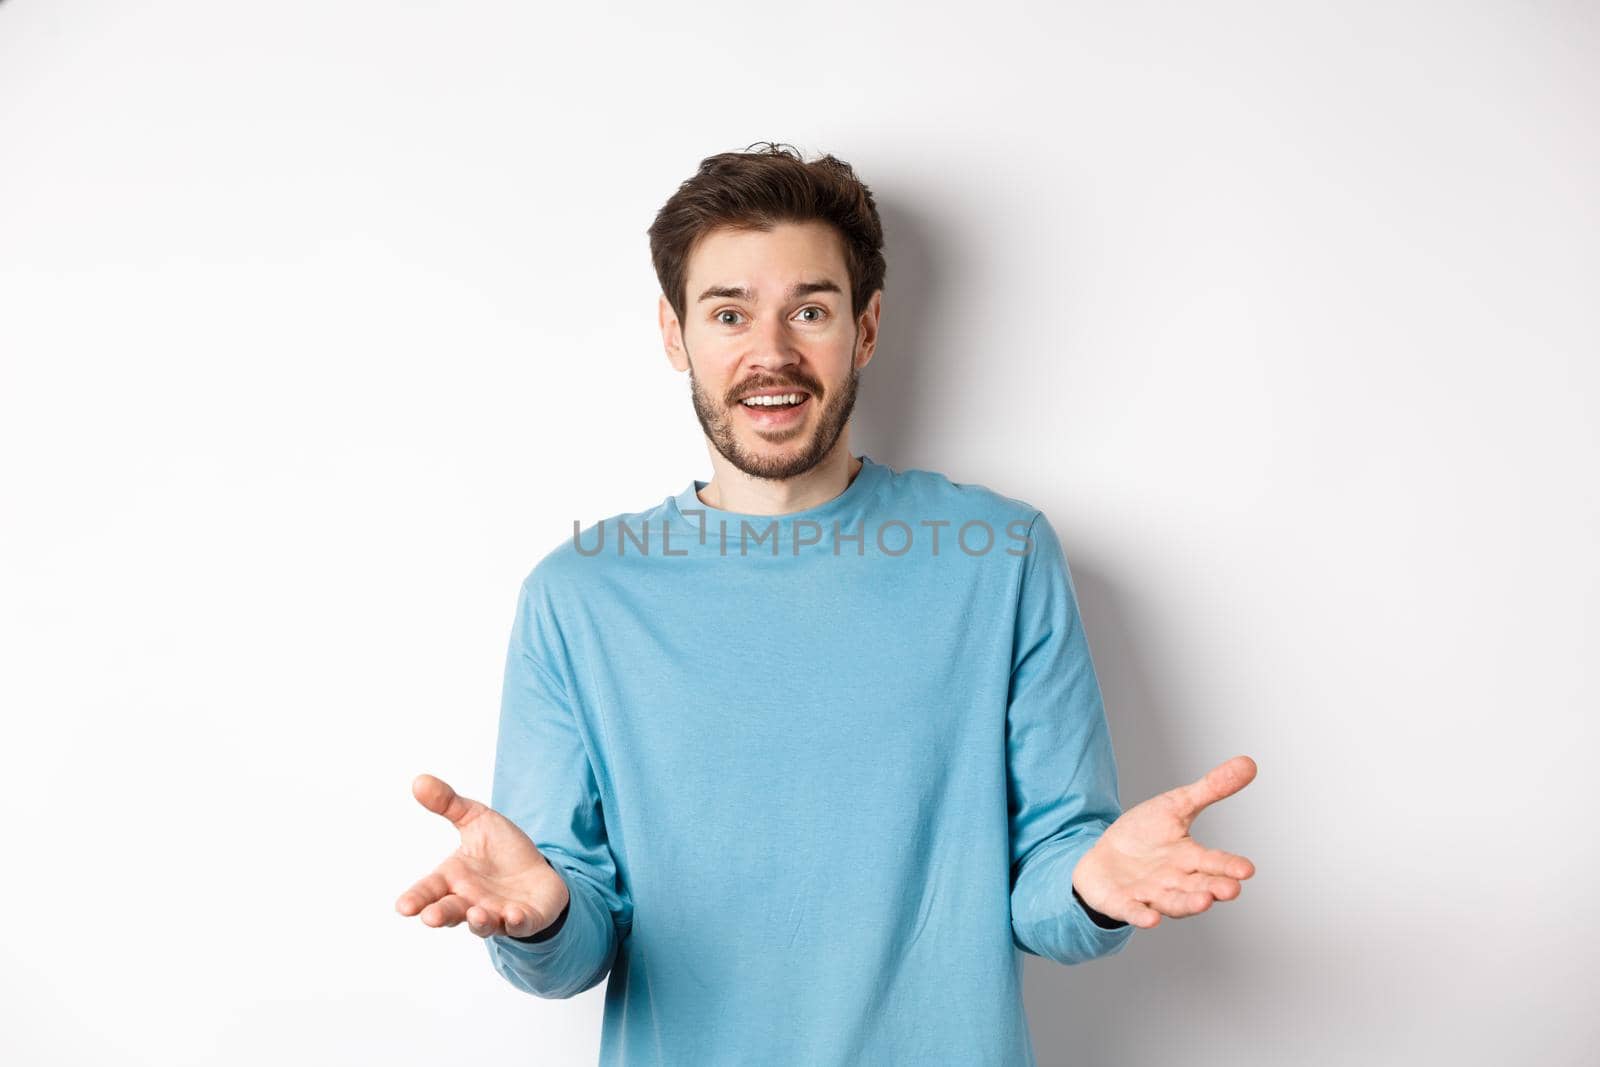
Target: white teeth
column 769, row 401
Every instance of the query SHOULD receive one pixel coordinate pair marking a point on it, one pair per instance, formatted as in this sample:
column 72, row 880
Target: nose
column 774, row 349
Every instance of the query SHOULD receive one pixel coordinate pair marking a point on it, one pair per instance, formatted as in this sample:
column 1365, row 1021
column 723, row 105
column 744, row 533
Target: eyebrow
column 739, row 292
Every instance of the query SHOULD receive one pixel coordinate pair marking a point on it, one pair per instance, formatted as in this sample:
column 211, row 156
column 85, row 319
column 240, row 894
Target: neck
column 731, row 489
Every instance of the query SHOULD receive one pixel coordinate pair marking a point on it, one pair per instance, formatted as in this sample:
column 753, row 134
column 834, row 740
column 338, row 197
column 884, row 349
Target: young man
column 804, row 757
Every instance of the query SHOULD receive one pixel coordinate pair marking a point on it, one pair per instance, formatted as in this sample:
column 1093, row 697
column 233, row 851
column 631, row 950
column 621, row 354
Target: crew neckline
column 842, row 507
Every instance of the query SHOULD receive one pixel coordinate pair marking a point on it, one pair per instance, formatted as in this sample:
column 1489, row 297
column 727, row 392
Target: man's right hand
column 497, row 882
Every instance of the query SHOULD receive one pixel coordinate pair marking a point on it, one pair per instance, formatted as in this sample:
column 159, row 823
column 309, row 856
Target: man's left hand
column 1146, row 865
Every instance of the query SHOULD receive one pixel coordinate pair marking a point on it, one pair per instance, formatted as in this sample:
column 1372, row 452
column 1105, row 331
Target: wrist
column 1105, row 922
column 549, row 931
column 1100, row 919
column 560, row 905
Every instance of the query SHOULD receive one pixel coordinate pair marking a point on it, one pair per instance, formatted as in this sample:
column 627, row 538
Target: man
column 804, row 757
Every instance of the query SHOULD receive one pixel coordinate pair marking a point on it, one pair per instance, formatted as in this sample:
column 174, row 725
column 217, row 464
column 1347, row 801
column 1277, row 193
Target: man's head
column 771, row 273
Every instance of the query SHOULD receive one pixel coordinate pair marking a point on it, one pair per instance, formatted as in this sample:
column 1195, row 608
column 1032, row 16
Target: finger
column 489, row 912
column 1223, row 780
column 1216, row 861
column 1219, row 887
column 495, row 915
column 517, row 920
column 1177, row 903
column 448, row 910
column 436, row 795
column 483, row 922
column 422, row 894
column 1223, row 888
column 523, row 922
column 1144, row 917
column 1130, row 909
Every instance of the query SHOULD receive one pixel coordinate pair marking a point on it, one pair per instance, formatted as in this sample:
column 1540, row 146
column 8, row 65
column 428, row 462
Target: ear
column 867, row 329
column 671, row 334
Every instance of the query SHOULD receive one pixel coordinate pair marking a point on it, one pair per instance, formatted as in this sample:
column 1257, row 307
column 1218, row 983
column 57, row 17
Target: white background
column 321, row 322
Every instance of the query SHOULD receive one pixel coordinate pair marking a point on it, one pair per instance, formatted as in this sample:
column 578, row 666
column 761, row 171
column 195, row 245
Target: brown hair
column 755, row 190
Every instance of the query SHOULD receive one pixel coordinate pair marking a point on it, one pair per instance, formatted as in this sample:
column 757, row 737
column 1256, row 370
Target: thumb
column 436, row 795
column 1223, row 780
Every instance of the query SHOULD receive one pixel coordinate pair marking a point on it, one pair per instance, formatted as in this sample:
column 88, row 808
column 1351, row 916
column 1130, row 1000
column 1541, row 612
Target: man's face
column 768, row 312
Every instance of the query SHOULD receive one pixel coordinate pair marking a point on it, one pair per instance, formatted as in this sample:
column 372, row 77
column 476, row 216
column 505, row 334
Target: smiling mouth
column 793, row 398
column 773, row 411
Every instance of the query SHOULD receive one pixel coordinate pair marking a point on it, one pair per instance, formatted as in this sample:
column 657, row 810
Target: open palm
column 1146, row 865
column 497, row 882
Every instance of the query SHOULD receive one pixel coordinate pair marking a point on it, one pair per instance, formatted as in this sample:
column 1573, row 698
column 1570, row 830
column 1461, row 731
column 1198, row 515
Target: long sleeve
column 1061, row 771
column 544, row 782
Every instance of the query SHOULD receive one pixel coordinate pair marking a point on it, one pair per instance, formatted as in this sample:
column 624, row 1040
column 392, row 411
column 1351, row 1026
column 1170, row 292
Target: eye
column 821, row 312
column 723, row 321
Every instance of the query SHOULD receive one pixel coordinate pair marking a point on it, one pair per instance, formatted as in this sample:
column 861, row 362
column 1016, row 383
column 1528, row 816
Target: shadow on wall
column 891, row 407
column 1173, row 983
column 1155, row 994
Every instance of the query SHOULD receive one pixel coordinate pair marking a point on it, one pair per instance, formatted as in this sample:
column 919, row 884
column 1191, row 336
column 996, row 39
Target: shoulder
column 587, row 551
column 1018, row 524
column 942, row 497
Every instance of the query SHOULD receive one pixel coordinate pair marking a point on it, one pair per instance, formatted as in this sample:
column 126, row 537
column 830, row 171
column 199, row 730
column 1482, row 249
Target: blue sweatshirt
column 814, row 781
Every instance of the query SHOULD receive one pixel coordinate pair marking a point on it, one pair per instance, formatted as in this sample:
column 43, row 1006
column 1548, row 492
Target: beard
column 716, row 419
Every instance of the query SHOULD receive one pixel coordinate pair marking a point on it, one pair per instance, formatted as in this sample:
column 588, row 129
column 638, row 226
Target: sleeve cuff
column 1049, row 919
column 570, row 960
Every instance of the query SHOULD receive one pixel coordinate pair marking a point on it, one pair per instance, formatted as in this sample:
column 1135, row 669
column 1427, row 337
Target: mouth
column 776, row 412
